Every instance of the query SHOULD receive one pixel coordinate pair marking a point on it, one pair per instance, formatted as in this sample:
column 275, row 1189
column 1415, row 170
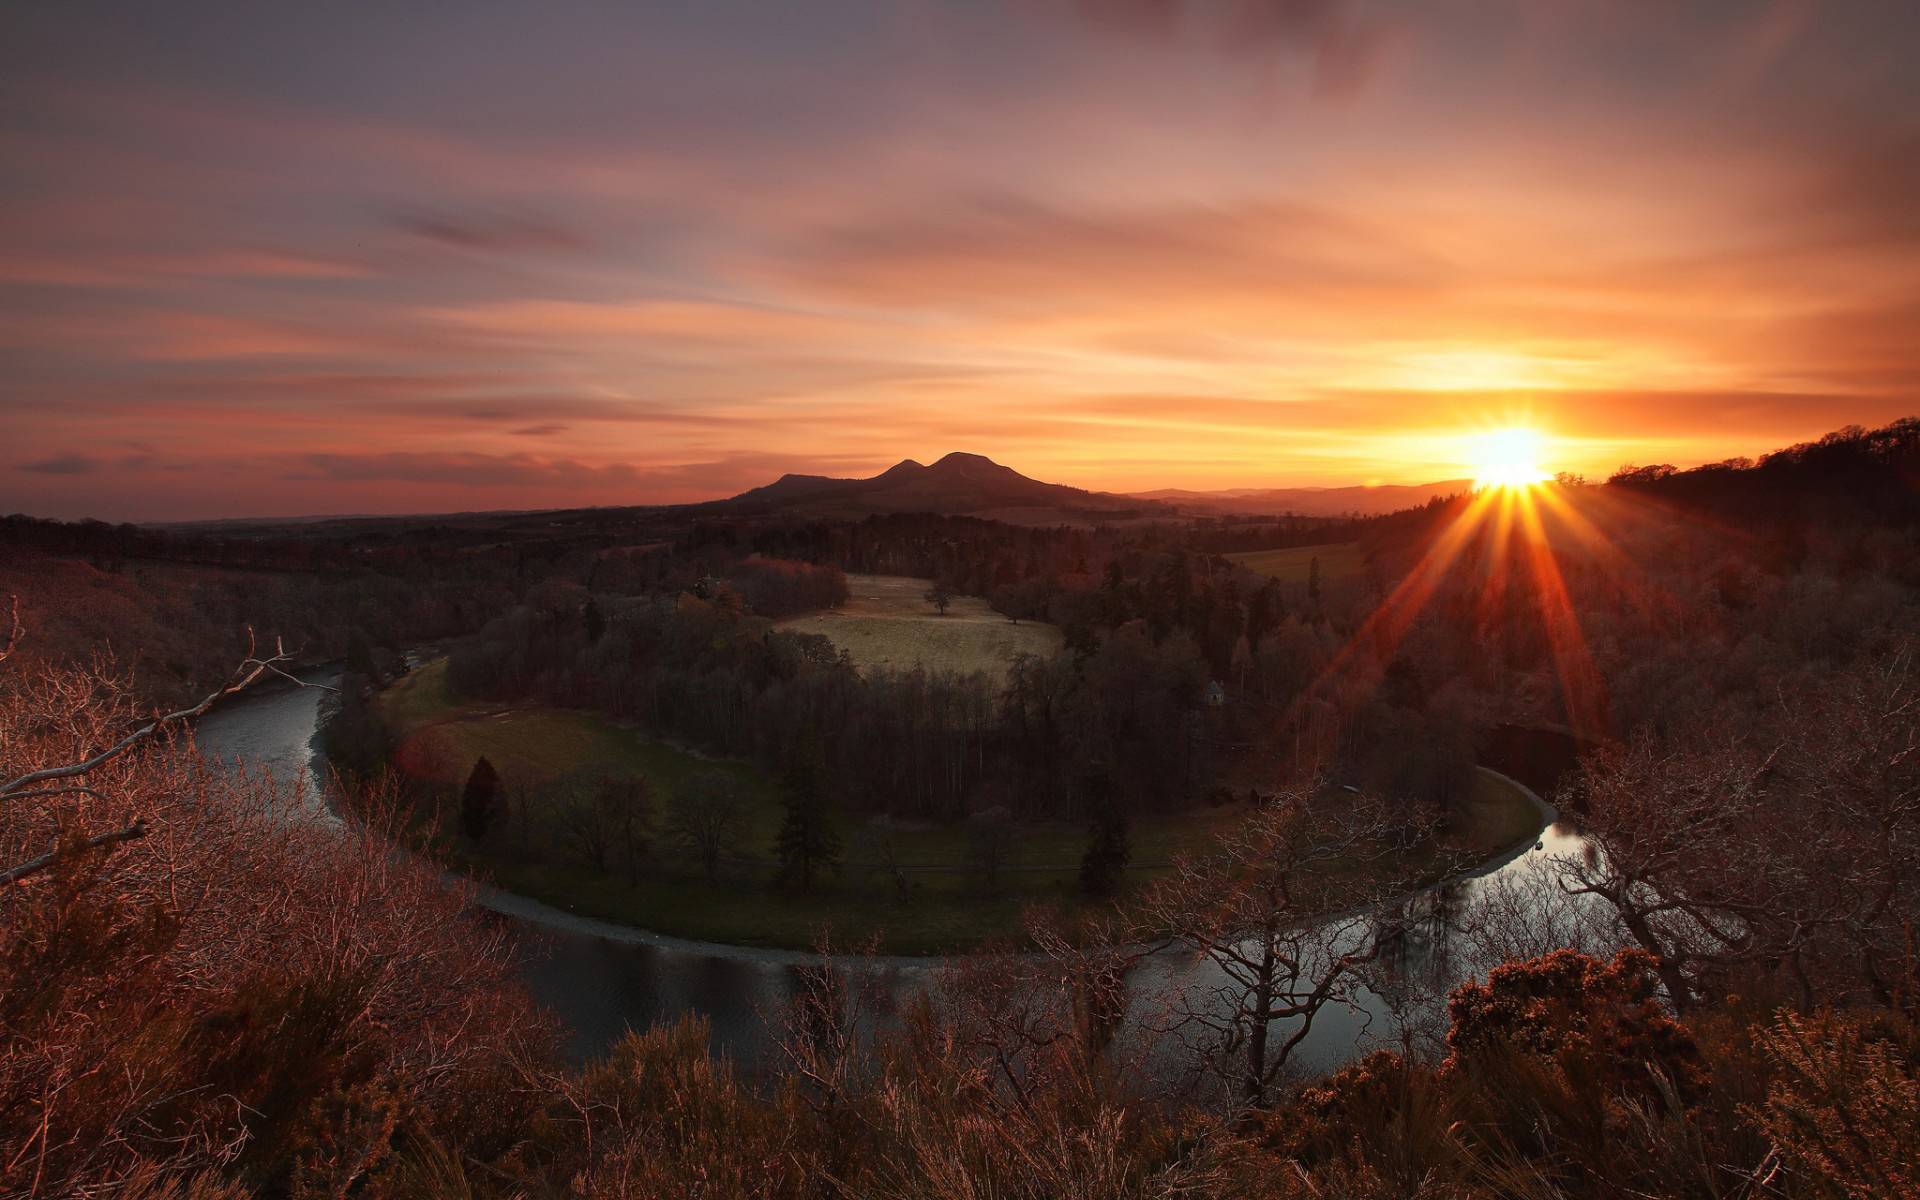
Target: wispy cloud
column 62, row 464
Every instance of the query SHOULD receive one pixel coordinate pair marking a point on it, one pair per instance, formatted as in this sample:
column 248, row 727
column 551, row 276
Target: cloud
column 62, row 464
column 545, row 430
column 462, row 470
column 1011, row 252
column 521, row 474
column 1346, row 47
column 494, row 232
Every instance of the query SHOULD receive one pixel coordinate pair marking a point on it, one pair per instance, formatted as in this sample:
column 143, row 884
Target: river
column 602, row 978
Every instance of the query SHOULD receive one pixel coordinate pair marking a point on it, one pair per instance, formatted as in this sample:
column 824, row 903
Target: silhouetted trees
column 477, row 800
column 608, row 819
column 990, row 836
column 806, row 843
column 1282, row 908
column 707, row 816
column 1109, row 848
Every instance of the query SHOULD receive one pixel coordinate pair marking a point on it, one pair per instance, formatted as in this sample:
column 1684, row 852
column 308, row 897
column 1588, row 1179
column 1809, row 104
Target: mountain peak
column 959, row 482
column 960, row 458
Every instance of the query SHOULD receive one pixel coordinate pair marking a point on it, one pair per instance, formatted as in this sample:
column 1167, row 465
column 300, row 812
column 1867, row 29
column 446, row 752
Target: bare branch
column 34, row 866
column 44, row 793
column 249, row 671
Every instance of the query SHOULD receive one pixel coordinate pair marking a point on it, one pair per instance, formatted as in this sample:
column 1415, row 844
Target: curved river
column 603, row 978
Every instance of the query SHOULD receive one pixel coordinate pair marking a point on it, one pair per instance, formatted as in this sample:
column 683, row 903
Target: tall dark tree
column 807, row 843
column 594, row 622
column 1108, row 847
column 477, row 799
column 360, row 658
column 352, row 735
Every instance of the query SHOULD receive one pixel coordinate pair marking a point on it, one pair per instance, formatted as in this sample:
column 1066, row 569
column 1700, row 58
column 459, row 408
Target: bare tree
column 1790, row 851
column 940, row 596
column 878, row 847
column 708, row 816
column 69, row 779
column 1279, row 919
column 610, row 816
column 1650, row 813
column 989, row 841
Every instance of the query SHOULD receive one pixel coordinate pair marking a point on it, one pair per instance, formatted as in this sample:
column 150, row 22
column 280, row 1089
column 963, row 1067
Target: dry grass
column 1338, row 561
column 887, row 624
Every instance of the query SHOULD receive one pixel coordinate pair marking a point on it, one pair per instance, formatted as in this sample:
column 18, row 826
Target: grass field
column 440, row 736
column 1338, row 561
column 887, row 623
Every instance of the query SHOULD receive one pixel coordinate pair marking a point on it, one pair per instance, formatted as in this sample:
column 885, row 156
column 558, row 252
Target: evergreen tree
column 1313, row 579
column 595, row 622
column 807, row 842
column 476, row 800
column 360, row 660
column 1108, row 847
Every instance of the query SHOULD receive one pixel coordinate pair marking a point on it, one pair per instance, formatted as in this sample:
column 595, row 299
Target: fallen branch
column 24, row 787
column 250, row 670
column 33, row 866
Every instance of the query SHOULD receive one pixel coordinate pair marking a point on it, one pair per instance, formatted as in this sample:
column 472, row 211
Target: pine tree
column 1108, row 847
column 360, row 659
column 1313, row 579
column 476, row 801
column 807, row 842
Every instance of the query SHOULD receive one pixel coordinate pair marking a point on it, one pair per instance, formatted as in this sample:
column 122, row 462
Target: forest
column 1721, row 999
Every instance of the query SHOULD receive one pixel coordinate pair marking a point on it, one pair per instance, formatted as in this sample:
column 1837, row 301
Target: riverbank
column 909, row 886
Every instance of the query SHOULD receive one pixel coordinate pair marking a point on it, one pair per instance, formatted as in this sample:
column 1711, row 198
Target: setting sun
column 1508, row 458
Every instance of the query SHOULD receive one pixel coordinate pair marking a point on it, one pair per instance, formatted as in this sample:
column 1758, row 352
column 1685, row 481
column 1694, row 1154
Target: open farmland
column 1338, row 561
column 887, row 623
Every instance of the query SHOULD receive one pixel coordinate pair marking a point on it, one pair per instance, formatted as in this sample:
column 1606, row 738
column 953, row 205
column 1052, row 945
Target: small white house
column 1215, row 694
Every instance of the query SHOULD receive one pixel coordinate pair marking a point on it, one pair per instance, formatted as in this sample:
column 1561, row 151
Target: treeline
column 908, row 743
column 1130, row 696
column 778, row 587
column 1852, row 474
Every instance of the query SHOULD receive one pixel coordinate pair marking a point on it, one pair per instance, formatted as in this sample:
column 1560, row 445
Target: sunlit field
column 1338, row 562
column 888, row 624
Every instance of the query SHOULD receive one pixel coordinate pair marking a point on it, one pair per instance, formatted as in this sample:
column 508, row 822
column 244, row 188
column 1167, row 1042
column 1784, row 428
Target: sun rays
column 1500, row 556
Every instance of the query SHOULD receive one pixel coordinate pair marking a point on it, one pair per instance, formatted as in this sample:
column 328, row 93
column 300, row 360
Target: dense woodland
column 1722, row 999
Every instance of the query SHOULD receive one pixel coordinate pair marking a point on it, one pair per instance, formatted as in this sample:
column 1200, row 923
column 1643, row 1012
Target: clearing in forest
column 887, row 624
column 1338, row 561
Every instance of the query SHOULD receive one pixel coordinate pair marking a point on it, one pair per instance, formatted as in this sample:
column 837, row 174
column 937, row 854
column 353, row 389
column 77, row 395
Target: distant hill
column 959, row 484
column 1310, row 501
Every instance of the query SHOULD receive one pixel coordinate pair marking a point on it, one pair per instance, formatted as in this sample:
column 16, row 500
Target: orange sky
column 360, row 260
